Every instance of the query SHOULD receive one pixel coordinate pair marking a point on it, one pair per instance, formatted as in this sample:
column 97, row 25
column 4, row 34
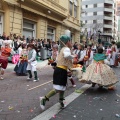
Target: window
column 75, row 11
column 29, row 29
column 95, row 5
column 95, row 13
column 71, row 7
column 75, row 8
column 1, row 24
column 94, row 21
column 51, row 33
column 85, row 21
column 86, row 6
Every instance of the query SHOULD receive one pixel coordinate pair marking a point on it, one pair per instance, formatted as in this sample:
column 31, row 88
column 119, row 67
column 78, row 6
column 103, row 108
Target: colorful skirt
column 100, row 74
column 3, row 62
column 21, row 68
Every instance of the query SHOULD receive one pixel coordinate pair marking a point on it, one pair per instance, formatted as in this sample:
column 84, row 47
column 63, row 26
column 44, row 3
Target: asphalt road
column 19, row 98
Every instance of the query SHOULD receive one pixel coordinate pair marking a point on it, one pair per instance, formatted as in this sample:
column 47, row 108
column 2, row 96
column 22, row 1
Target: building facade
column 99, row 19
column 43, row 19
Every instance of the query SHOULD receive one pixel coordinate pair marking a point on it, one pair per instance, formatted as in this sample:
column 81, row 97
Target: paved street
column 19, row 99
column 94, row 104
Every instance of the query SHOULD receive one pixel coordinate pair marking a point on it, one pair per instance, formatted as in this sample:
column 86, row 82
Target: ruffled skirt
column 100, row 74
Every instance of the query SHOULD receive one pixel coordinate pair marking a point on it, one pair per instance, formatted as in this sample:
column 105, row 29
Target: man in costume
column 64, row 61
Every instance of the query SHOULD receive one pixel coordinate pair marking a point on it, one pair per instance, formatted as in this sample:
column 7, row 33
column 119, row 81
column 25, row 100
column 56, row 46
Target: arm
column 33, row 56
column 91, row 55
column 67, row 53
column 82, row 56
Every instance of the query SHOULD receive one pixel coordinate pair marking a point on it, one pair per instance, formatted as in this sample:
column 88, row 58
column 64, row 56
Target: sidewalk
column 93, row 104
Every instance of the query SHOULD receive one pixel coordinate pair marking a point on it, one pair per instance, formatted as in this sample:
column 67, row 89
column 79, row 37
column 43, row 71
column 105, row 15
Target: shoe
column 42, row 103
column 36, row 80
column 74, row 86
column 29, row 78
column 62, row 106
column 93, row 84
column 1, row 78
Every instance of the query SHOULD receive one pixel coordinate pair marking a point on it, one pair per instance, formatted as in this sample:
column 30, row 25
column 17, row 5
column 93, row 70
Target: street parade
column 59, row 60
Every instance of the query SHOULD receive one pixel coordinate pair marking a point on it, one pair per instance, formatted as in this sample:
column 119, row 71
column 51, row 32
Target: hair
column 113, row 42
column 100, row 50
column 32, row 46
column 23, row 46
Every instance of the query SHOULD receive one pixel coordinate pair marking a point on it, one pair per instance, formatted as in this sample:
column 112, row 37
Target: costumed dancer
column 114, row 53
column 5, row 53
column 64, row 61
column 54, row 64
column 98, row 72
column 88, row 55
column 54, row 56
column 32, row 63
column 21, row 66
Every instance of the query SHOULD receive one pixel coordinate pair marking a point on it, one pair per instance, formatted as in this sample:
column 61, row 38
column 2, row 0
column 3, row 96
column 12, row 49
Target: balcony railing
column 54, row 4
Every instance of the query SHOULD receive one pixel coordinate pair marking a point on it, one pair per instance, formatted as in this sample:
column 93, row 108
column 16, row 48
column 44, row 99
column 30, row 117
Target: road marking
column 40, row 85
column 49, row 113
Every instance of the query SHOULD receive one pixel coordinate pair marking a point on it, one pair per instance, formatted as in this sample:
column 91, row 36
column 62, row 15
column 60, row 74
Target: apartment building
column 99, row 19
column 44, row 19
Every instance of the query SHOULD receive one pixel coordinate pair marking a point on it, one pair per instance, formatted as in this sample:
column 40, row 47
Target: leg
column 33, row 66
column 69, row 74
column 61, row 98
column 35, row 76
column 30, row 74
column 46, row 98
column 29, row 71
column 72, row 81
column 2, row 73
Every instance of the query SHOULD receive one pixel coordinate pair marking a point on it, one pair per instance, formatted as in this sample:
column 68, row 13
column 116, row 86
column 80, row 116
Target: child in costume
column 64, row 62
column 21, row 66
column 32, row 63
column 98, row 72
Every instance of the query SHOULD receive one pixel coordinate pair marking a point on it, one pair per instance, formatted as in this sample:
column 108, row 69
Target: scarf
column 98, row 57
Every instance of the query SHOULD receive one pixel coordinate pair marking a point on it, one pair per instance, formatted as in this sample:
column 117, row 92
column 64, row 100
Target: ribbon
column 98, row 65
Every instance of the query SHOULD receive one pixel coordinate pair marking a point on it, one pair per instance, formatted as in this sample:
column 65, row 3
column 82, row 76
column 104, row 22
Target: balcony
column 106, row 17
column 108, row 26
column 109, row 33
column 108, row 9
column 43, row 6
column 109, row 1
column 52, row 5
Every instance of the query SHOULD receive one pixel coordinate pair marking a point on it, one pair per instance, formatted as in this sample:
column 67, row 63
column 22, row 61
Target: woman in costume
column 88, row 55
column 98, row 72
column 5, row 53
column 114, row 53
column 64, row 61
column 21, row 66
column 32, row 62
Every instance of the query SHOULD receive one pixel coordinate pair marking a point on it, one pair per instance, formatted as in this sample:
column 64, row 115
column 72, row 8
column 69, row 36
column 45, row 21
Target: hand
column 75, row 55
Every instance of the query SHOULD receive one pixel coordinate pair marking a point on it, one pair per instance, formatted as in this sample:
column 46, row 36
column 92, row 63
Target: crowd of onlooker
column 17, row 41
